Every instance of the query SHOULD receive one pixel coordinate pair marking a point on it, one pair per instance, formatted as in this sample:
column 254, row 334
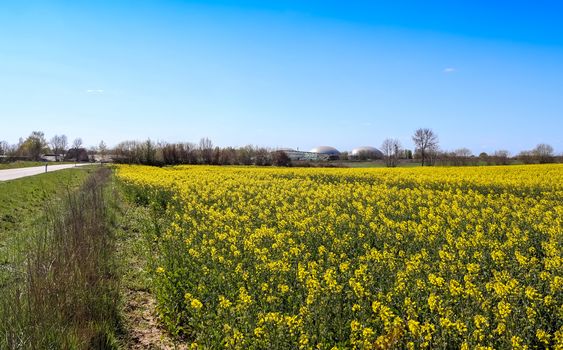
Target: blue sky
column 485, row 75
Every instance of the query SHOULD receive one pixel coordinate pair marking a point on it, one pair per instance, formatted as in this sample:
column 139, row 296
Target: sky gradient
column 484, row 75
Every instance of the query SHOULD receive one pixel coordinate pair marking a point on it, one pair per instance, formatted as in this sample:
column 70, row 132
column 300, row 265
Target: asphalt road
column 11, row 174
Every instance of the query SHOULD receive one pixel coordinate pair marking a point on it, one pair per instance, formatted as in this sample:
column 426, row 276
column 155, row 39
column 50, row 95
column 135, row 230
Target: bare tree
column 463, row 152
column 463, row 156
column 526, row 157
column 228, row 156
column 280, row 158
column 102, row 150
column 391, row 149
column 58, row 145
column 501, row 157
column 206, row 150
column 543, row 153
column 262, row 156
column 4, row 147
column 77, row 143
column 149, row 152
column 426, row 142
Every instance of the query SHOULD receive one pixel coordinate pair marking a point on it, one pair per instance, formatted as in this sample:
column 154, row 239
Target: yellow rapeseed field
column 272, row 258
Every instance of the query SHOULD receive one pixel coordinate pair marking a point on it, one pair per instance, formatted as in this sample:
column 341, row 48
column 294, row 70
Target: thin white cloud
column 449, row 70
column 95, row 91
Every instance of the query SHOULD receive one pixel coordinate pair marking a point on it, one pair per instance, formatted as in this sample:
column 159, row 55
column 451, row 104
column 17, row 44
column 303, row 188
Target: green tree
column 34, row 145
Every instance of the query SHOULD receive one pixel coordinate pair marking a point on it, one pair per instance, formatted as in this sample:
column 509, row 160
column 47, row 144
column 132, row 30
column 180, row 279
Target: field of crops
column 271, row 258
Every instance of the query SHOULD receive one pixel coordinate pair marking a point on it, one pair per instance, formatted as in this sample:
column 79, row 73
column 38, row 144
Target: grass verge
column 27, row 164
column 65, row 294
column 22, row 203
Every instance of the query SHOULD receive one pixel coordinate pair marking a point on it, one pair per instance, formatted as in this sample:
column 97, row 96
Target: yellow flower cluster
column 357, row 258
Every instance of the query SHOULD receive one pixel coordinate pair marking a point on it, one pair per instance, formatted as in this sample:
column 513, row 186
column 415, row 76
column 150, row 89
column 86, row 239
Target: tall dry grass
column 67, row 296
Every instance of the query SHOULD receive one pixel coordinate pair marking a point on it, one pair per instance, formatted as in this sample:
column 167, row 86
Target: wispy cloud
column 95, row 91
column 449, row 70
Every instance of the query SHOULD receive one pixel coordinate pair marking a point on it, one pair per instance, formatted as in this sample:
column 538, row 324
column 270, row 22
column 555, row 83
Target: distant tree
column 169, row 153
column 526, row 157
column 177, row 153
column 59, row 145
column 391, row 149
column 77, row 143
column 463, row 152
column 280, row 158
column 188, row 153
column 397, row 150
column 407, row 154
column 501, row 157
column 34, row 145
column 102, row 150
column 262, row 156
column 216, row 156
column 148, row 151
column 228, row 156
column 543, row 153
column 426, row 143
column 127, row 152
column 91, row 153
column 462, row 156
column 387, row 149
column 245, row 155
column 363, row 155
column 18, row 148
column 206, row 150
column 4, row 146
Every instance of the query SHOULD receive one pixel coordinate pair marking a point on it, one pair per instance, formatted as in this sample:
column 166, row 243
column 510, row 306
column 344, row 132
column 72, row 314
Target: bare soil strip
column 144, row 331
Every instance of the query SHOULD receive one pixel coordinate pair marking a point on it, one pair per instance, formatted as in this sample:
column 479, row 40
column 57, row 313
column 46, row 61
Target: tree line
column 35, row 146
column 428, row 152
column 148, row 152
column 165, row 153
column 425, row 140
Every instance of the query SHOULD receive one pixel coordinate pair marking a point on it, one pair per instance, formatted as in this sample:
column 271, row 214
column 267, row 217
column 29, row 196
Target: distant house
column 108, row 158
column 51, row 157
column 77, row 154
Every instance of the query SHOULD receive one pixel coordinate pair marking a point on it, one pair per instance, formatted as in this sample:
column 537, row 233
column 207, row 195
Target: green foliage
column 34, row 145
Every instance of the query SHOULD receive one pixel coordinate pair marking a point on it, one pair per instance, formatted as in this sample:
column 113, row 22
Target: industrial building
column 317, row 153
column 366, row 152
column 330, row 152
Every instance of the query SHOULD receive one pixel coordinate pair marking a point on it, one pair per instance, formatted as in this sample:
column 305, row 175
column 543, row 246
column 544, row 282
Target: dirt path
column 142, row 324
column 142, row 327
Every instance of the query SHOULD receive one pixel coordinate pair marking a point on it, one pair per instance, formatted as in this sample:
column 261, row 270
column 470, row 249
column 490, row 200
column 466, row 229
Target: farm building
column 51, row 157
column 77, row 154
